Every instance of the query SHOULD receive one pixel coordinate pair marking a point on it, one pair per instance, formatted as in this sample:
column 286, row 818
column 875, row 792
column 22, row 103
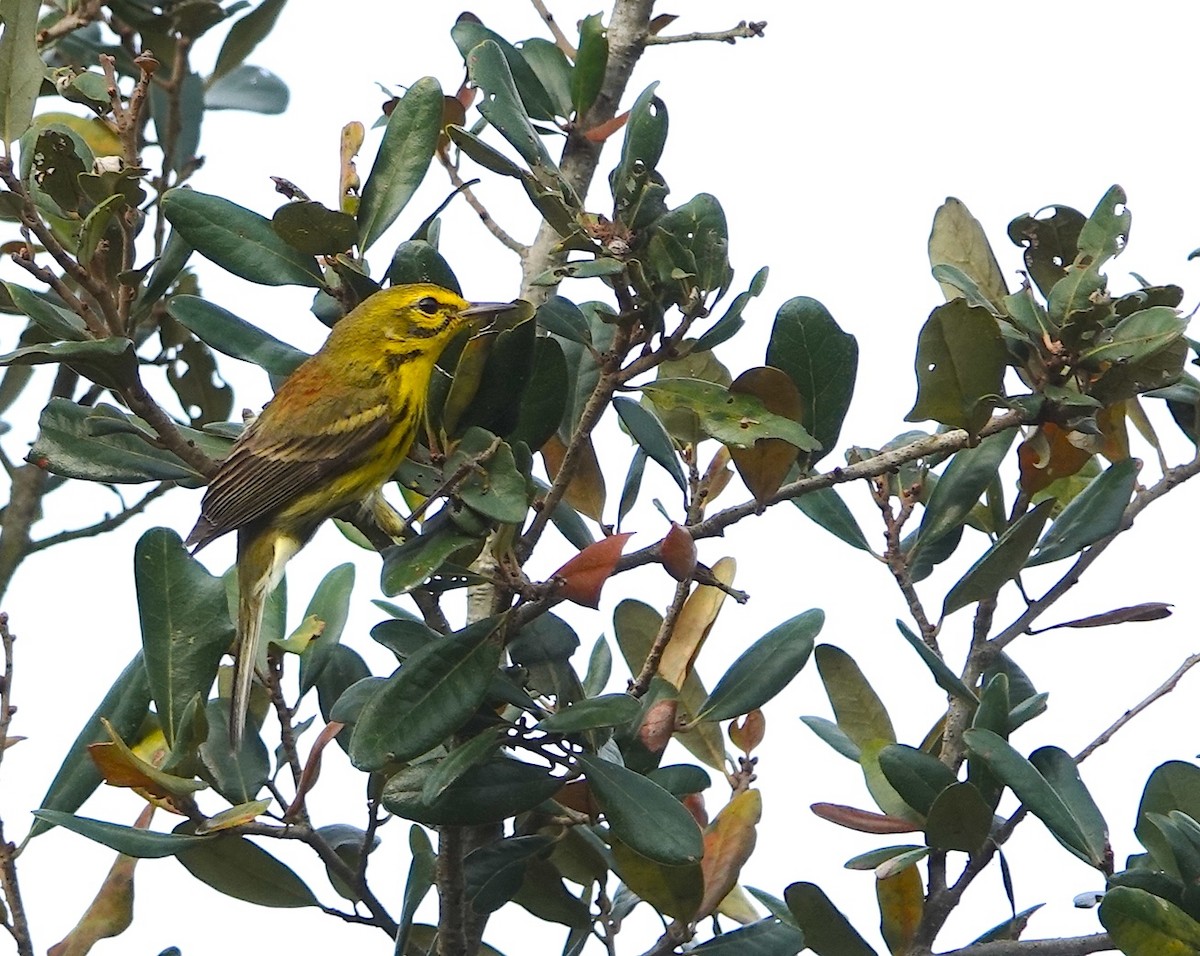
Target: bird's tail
column 261, row 558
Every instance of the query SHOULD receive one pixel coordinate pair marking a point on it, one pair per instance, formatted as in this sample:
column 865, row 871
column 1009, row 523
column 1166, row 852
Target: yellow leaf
column 728, row 842
column 693, row 625
column 901, row 902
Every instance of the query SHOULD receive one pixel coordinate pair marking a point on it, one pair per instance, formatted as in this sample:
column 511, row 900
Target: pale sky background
column 830, row 144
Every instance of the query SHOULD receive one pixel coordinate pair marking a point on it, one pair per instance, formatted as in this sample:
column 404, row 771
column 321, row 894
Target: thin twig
column 481, row 210
column 107, row 524
column 742, row 31
column 1161, row 691
column 142, row 404
column 641, row 683
column 87, row 12
column 15, row 920
column 1067, row 946
column 560, row 38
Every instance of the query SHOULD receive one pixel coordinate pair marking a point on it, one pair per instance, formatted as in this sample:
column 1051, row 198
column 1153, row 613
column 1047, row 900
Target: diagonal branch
column 1069, row 946
column 108, row 523
column 742, row 31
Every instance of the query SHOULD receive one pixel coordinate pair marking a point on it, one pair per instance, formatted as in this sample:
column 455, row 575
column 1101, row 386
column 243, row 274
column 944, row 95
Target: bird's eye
column 428, row 305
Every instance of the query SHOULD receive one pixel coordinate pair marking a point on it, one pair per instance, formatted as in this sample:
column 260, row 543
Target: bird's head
column 425, row 313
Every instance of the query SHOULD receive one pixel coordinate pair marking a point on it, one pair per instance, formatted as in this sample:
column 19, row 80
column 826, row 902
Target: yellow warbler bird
column 336, row 430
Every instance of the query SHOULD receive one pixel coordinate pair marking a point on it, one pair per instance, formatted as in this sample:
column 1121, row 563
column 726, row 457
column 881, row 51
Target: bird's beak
column 486, row 312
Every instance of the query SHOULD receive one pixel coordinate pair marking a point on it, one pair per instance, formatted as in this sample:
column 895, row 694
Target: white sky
column 830, row 144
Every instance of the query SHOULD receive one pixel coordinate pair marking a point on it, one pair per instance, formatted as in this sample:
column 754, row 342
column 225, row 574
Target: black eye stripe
column 428, row 305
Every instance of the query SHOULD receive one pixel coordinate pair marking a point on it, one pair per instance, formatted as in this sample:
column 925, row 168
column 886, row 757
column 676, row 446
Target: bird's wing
column 272, row 463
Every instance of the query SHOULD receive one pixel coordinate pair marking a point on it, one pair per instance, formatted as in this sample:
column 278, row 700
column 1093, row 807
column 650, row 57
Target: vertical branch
column 15, row 921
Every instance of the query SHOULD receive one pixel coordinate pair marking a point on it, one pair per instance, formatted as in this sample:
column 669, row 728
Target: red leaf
column 602, row 131
column 865, row 821
column 584, row 575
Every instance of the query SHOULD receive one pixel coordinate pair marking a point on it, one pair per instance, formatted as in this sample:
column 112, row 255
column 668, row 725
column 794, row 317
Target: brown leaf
column 661, row 22
column 312, row 769
column 658, row 725
column 678, row 551
column 1151, row 611
column 694, row 804
column 716, row 477
column 1048, row 455
column 584, row 575
column 585, row 493
column 602, row 131
column 765, row 466
column 695, row 620
column 728, row 843
column 454, row 113
column 865, row 821
column 749, row 733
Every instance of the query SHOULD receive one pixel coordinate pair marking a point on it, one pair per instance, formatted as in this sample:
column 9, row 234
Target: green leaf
column 1051, row 243
column 526, row 87
column 738, row 420
column 564, row 318
column 249, row 88
column 765, row 668
column 672, row 890
column 638, row 191
column 1141, row 924
column 767, row 937
column 410, row 564
column 545, row 399
column 607, row 710
column 490, row 70
column 958, row 819
column 1106, row 231
column 131, row 841
column 1062, row 773
column 330, row 604
column 1174, row 785
column 590, row 63
column 415, row 260
column 917, row 776
column 681, row 779
column 493, row 791
column 1136, row 337
column 55, row 321
column 493, row 873
column 827, row 509
column 421, row 875
column 642, row 814
column 430, row 697
column 808, row 344
column 230, row 335
column 646, row 429
column 478, row 750
column 689, row 248
column 957, row 239
column 239, row 776
column 960, row 367
column 552, row 69
column 238, row 240
column 833, row 735
column 1092, row 515
column 826, row 931
column 1033, row 790
column 185, row 623
column 245, row 35
column 21, row 68
column 403, row 159
column 236, row 867
column 103, row 444
column 124, row 707
column 960, row 487
column 314, row 229
column 1001, row 562
column 111, row 363
column 728, row 324
column 860, row 713
column 945, row 678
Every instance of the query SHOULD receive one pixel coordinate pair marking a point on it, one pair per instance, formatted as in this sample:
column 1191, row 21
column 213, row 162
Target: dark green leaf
column 827, row 509
column 643, row 814
column 822, row 360
column 249, row 88
column 738, row 420
column 402, row 161
column 767, row 937
column 1106, row 231
column 1174, row 785
column 1136, row 337
column 55, row 321
column 421, row 875
column 489, row 69
column 1062, row 773
column 960, row 367
column 21, row 68
column 492, row 791
column 959, row 819
column 235, row 337
column 764, row 668
column 1093, row 514
column 411, row 564
column 330, row 604
column 431, row 696
column 108, row 362
column 124, row 707
column 415, row 260
column 1050, row 243
column 479, row 749
column 833, row 735
column 245, row 35
column 1001, row 562
column 553, row 71
column 590, row 64
column 185, row 623
column 527, row 88
column 545, row 398
column 238, row 240
column 1141, row 924
column 651, row 437
column 946, row 679
column 493, row 873
column 132, row 841
column 239, row 776
column 236, row 867
column 689, row 249
column 608, row 710
column 314, row 229
column 681, row 779
column 826, row 931
column 961, row 485
column 917, row 776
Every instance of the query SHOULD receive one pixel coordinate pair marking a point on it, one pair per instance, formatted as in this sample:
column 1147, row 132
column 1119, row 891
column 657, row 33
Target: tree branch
column 107, row 524
column 15, row 920
column 560, row 38
column 1070, row 946
column 742, row 31
column 143, row 405
column 485, row 217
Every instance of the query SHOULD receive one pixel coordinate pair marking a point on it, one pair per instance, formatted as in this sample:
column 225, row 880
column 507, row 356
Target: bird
column 337, row 428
